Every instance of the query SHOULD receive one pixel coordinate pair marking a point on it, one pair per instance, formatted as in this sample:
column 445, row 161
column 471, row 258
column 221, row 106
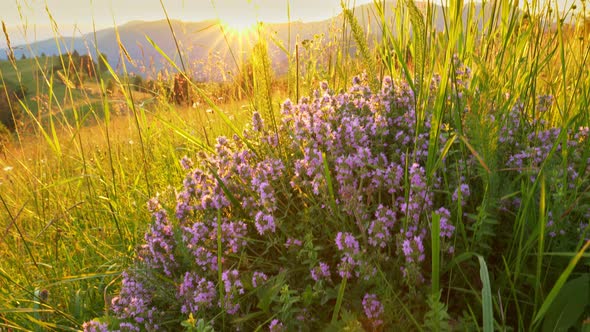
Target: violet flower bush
column 270, row 228
column 529, row 146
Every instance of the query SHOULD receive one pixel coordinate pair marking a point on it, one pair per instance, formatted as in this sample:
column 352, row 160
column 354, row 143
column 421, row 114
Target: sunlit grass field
column 420, row 181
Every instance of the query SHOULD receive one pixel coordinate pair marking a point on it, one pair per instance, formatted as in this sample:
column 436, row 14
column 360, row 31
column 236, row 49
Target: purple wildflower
column 231, row 281
column 446, row 229
column 233, row 287
column 258, row 278
column 464, row 189
column 413, row 249
column 320, row 272
column 264, row 222
column 233, row 235
column 276, row 326
column 186, row 163
column 387, row 85
column 257, row 122
column 196, row 293
column 196, row 240
column 379, row 230
column 347, row 243
column 373, row 309
column 160, row 242
column 134, row 304
column 95, row 326
column 291, row 242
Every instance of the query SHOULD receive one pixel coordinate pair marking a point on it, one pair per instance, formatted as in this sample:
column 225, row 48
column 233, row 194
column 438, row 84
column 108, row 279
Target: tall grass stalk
column 541, row 239
column 129, row 99
column 435, row 253
column 362, row 43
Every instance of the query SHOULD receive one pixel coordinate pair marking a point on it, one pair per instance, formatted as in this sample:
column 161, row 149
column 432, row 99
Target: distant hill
column 203, row 44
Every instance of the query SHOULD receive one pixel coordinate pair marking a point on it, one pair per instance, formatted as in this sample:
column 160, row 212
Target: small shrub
column 9, row 105
column 269, row 228
column 331, row 210
column 5, row 137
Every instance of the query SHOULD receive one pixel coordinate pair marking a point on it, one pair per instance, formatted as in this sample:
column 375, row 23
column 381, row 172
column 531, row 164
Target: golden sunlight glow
column 239, row 25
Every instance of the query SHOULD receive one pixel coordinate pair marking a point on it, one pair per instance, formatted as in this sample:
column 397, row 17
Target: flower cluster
column 320, row 272
column 380, row 228
column 531, row 145
column 269, row 223
column 346, row 172
column 95, row 326
column 135, row 305
column 349, row 246
column 233, row 288
column 275, row 326
column 197, row 293
column 258, row 278
column 160, row 243
column 373, row 309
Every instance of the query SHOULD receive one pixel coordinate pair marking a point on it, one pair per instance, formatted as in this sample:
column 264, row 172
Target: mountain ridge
column 201, row 43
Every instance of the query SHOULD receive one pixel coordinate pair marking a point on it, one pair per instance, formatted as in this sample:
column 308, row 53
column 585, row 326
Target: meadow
column 425, row 180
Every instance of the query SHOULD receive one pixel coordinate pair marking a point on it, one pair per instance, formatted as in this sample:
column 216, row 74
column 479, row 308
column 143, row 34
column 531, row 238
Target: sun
column 239, row 25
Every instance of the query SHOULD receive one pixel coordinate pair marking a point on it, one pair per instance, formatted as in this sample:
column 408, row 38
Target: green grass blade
column 443, row 154
column 336, row 311
column 186, row 135
column 203, row 95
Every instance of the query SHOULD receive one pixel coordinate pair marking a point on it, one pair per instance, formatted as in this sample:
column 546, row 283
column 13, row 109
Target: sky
column 75, row 17
column 28, row 20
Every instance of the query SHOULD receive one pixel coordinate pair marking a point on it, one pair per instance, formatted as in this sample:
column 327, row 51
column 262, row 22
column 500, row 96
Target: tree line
column 70, row 68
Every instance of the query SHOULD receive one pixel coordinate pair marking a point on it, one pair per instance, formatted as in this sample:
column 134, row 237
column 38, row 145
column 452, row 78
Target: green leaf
column 568, row 307
column 307, row 296
column 247, row 317
column 341, row 290
column 559, row 284
column 266, row 295
column 486, row 294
